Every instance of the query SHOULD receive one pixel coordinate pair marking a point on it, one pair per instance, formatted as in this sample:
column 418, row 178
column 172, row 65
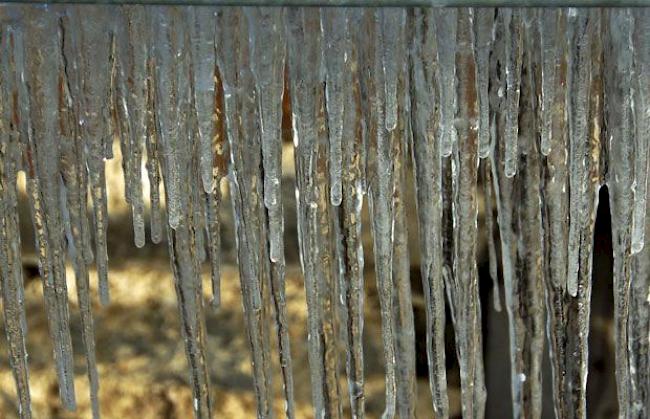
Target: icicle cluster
column 534, row 110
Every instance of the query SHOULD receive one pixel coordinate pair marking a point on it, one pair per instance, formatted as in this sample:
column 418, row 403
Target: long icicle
column 41, row 161
column 11, row 273
column 315, row 227
column 353, row 187
column 267, row 54
column 246, row 191
column 427, row 172
column 618, row 120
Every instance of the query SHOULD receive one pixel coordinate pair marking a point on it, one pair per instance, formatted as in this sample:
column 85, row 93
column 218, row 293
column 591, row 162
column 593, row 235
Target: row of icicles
column 545, row 106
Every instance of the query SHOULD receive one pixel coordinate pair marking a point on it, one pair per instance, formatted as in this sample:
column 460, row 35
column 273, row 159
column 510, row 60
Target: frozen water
column 529, row 111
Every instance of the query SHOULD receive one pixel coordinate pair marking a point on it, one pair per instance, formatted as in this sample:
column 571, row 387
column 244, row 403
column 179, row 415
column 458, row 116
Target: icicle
column 336, row 53
column 392, row 29
column 381, row 177
column 180, row 171
column 315, row 230
column 202, row 22
column 513, row 28
column 578, row 76
column 445, row 27
column 246, row 190
column 484, row 36
column 548, row 33
column 267, row 65
column 403, row 305
column 639, row 323
column 38, row 109
column 642, row 124
column 172, row 104
column 132, row 55
column 11, row 273
column 465, row 211
column 427, row 173
column 639, row 328
column 353, row 184
column 485, row 169
column 90, row 47
column 555, row 229
column 618, row 117
column 153, row 154
column 520, row 227
column 267, row 54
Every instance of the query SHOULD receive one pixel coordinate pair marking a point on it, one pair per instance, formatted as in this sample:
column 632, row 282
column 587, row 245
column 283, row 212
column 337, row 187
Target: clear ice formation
column 534, row 110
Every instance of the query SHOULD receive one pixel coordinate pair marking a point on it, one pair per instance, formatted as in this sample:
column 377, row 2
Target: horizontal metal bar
column 360, row 3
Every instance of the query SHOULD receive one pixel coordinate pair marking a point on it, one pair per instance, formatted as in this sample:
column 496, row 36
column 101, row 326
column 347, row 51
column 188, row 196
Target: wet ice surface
column 532, row 110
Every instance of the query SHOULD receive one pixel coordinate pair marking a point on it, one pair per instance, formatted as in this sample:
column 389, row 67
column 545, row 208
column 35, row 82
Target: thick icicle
column 464, row 285
column 618, row 117
column 427, row 172
column 267, row 56
column 578, row 83
column 315, row 227
column 38, row 107
column 202, row 22
column 642, row 124
column 180, row 171
column 445, row 27
column 513, row 31
column 11, row 273
column 336, row 53
column 246, row 190
column 483, row 37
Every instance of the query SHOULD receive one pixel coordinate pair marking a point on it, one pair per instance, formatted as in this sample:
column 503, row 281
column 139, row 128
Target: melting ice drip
column 543, row 106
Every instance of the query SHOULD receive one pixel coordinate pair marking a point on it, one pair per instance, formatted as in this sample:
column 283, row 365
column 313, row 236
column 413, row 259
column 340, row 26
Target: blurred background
column 140, row 353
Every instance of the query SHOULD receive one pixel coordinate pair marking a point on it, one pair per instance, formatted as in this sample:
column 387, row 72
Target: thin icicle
column 548, row 32
column 484, row 36
column 336, row 53
column 486, row 174
column 642, row 125
column 513, row 31
column 427, row 173
column 132, row 54
column 445, row 27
